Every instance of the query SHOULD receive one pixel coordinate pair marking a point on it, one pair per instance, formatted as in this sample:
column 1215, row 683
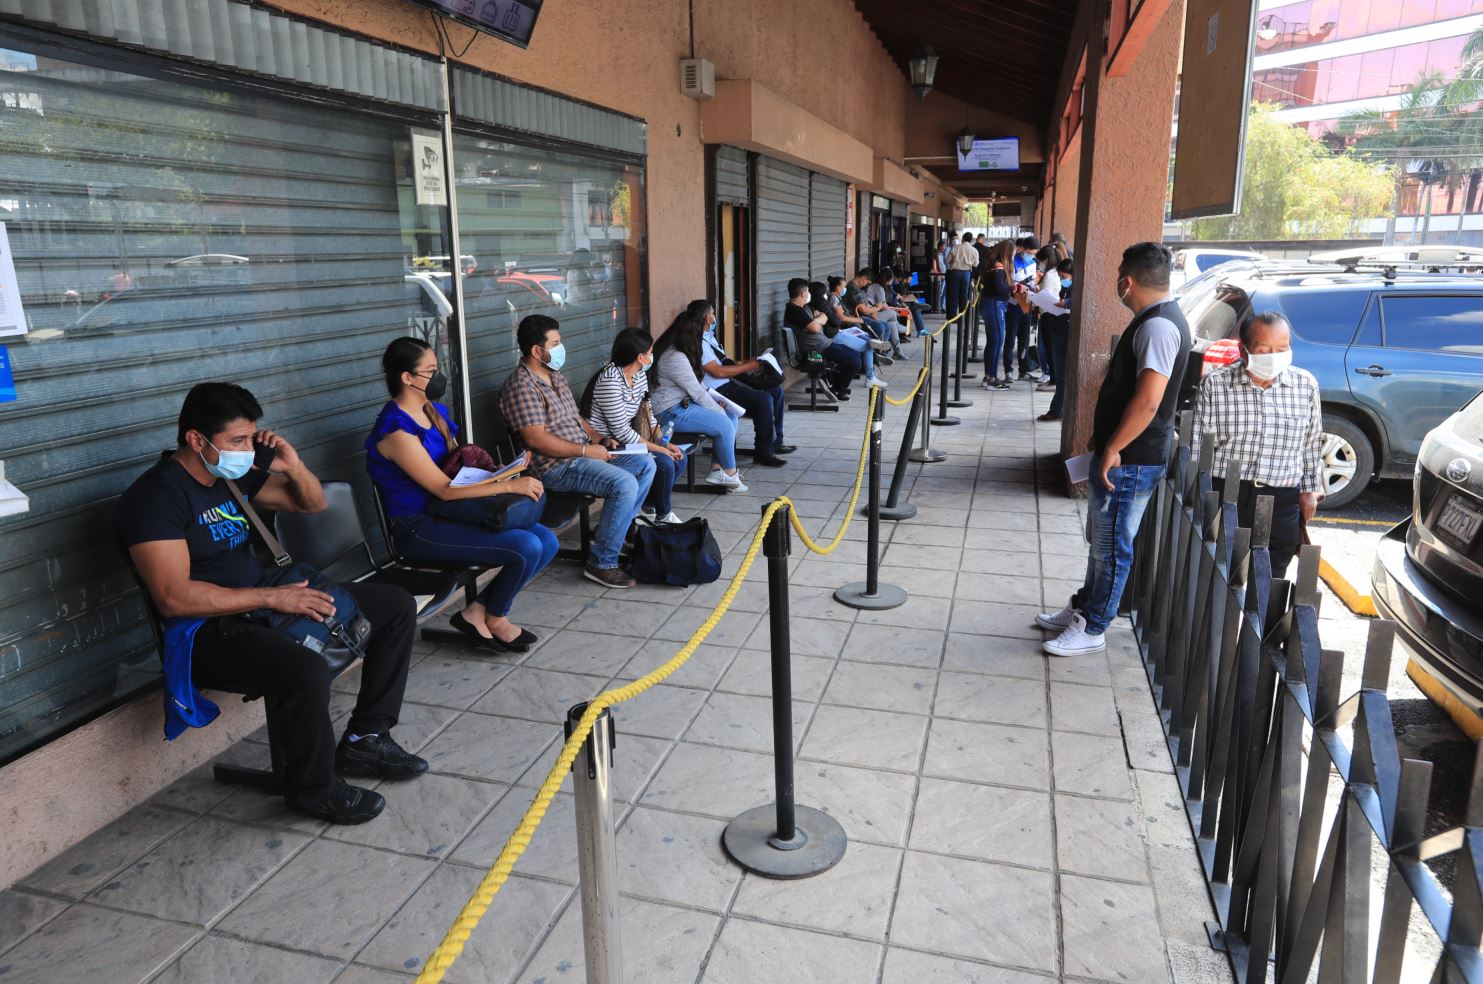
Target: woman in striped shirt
column 617, row 401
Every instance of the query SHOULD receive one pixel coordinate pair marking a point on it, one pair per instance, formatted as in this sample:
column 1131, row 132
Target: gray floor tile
column 354, row 891
column 201, row 871
column 984, row 822
column 923, row 609
column 1198, row 965
column 612, row 616
column 482, row 746
column 1064, row 544
column 701, row 671
column 895, row 645
column 732, row 630
column 671, row 857
column 884, row 688
column 750, row 952
column 356, row 974
column 1000, row 562
column 852, row 898
column 539, row 609
column 751, row 674
column 426, row 817
column 662, row 944
column 983, row 618
column 226, row 961
column 661, row 712
column 751, row 597
column 552, row 852
column 540, row 695
column 972, row 909
column 1090, row 669
column 584, row 652
column 505, row 936
column 1081, row 765
column 910, row 967
column 872, row 806
column 96, row 944
column 737, row 721
column 1074, row 707
column 454, row 682
column 21, row 914
column 718, row 782
column 869, row 739
column 991, row 699
column 258, row 807
column 806, row 636
column 928, row 536
column 994, row 654
column 921, row 555
column 1102, row 838
column 988, row 753
column 84, row 867
column 1111, row 931
column 196, row 791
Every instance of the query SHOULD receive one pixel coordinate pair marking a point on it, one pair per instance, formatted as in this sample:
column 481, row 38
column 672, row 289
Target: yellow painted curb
column 1467, row 722
column 1354, row 601
column 1324, row 520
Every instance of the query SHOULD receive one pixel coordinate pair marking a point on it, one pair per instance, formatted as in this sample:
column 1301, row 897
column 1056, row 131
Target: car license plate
column 1460, row 520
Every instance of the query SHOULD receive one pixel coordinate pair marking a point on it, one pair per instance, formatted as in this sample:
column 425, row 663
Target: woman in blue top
column 403, row 454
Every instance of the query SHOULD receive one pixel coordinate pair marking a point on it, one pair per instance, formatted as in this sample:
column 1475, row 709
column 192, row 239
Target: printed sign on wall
column 429, row 177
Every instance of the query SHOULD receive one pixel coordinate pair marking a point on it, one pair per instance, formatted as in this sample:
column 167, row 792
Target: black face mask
column 437, row 385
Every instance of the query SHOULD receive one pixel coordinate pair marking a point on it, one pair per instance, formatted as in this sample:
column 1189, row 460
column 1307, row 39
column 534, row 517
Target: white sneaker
column 719, row 477
column 670, row 517
column 879, row 344
column 1056, row 621
column 877, row 382
column 1075, row 641
column 648, row 513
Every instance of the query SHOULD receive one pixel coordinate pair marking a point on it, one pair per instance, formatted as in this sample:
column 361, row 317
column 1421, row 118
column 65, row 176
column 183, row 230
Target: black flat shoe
column 784, row 448
column 769, row 460
column 466, row 629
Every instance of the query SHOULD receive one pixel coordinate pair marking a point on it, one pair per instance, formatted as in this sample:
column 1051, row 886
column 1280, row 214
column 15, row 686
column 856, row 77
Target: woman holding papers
column 404, row 453
column 677, row 397
column 764, row 404
column 618, row 407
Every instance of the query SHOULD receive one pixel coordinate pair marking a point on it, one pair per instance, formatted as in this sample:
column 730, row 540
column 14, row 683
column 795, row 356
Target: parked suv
column 1394, row 354
column 1428, row 575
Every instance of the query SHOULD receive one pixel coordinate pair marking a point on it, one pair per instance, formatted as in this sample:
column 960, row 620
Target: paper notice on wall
column 429, row 177
column 12, row 314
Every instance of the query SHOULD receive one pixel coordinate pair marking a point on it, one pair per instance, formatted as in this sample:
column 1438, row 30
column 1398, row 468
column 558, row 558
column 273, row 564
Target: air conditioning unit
column 697, row 78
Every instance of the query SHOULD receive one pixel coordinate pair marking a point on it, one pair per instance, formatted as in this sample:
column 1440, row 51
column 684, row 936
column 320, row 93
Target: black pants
column 1287, row 519
column 765, row 407
column 846, row 365
column 240, row 657
column 1017, row 340
column 1055, row 331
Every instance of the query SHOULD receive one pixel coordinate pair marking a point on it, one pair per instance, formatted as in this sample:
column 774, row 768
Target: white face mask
column 1269, row 365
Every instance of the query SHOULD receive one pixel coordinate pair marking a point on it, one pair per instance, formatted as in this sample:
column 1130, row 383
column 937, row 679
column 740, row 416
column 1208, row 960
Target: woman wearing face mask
column 994, row 294
column 619, row 400
column 677, row 397
column 403, row 455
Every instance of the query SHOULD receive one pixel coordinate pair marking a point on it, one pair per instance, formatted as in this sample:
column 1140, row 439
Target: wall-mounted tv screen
column 999, row 154
column 511, row 20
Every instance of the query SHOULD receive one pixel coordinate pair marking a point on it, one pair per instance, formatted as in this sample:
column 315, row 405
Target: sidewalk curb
column 1359, row 604
column 1467, row 722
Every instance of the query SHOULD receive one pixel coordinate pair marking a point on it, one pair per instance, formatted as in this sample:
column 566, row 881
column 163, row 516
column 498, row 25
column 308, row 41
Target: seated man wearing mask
column 566, row 452
column 190, row 543
column 764, row 406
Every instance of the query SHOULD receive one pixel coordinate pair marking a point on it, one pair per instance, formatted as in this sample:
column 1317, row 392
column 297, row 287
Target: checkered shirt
column 1276, row 433
column 526, row 401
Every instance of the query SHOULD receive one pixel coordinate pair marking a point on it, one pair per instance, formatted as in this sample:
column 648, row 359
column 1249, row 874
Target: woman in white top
column 679, row 398
column 615, row 403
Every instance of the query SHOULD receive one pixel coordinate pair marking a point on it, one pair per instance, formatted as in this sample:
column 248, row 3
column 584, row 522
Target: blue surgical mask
column 1065, row 281
column 556, row 357
column 229, row 464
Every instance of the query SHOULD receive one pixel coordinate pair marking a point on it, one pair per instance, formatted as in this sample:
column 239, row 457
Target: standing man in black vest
column 1130, row 443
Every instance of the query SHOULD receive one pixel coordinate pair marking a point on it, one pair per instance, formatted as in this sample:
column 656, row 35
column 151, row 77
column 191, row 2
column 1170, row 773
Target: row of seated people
column 190, row 543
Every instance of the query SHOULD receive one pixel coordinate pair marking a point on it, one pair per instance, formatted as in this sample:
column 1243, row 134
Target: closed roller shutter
column 826, row 215
column 731, row 176
column 782, row 239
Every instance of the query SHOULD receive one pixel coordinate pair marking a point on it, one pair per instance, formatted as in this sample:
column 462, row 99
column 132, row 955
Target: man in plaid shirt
column 1265, row 413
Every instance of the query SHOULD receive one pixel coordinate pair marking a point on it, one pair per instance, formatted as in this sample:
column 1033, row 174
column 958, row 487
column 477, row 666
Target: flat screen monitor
column 510, row 20
column 999, row 154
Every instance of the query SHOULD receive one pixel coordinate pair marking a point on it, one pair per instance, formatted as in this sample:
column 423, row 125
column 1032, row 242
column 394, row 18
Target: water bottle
column 666, row 432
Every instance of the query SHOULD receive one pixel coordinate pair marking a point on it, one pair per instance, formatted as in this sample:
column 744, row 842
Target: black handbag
column 346, row 629
column 763, row 377
column 677, row 554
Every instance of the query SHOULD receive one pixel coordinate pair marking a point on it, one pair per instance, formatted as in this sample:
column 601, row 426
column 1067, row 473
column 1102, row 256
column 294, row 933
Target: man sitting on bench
column 566, row 452
column 189, row 541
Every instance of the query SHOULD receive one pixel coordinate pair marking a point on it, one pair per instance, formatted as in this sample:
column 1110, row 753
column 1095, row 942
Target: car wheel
column 1346, row 463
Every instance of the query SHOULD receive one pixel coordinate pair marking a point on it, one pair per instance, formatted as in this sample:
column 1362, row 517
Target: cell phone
column 263, row 457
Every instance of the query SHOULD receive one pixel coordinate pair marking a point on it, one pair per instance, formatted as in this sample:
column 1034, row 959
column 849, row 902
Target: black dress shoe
column 769, row 460
column 345, row 804
column 784, row 448
column 377, row 757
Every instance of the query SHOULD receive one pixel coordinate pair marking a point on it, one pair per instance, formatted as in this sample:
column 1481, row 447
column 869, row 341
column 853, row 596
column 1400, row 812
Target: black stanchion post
column 870, row 594
column 962, row 364
column 967, row 341
column 943, row 419
column 905, row 510
column 782, row 839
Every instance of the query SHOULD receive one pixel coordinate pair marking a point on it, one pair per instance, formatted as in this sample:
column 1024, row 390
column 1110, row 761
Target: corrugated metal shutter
column 782, row 238
column 826, row 215
column 489, row 99
column 862, row 232
column 216, row 235
column 731, row 176
column 232, row 34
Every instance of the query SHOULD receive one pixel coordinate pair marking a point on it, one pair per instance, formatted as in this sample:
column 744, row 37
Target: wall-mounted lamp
column 965, row 142
column 923, row 68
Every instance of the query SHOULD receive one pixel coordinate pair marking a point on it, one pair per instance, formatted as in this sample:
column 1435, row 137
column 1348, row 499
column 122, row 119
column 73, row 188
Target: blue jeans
column 622, row 485
column 1112, row 522
column 666, row 471
column 520, row 554
column 860, row 346
column 718, row 425
column 886, row 329
column 916, row 316
column 992, row 313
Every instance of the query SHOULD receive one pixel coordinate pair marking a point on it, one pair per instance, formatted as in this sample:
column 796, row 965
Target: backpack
column 677, row 554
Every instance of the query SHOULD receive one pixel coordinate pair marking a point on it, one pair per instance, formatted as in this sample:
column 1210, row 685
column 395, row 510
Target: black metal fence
column 1310, row 827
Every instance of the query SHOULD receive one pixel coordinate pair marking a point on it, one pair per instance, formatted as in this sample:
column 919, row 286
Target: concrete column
column 1121, row 181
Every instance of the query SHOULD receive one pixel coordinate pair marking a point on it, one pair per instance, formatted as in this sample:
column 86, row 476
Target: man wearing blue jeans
column 1130, row 445
column 566, row 453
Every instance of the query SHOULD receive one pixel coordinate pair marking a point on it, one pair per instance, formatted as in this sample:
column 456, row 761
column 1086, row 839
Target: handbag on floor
column 678, row 554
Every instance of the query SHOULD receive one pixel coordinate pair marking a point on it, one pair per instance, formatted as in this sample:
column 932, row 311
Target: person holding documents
column 764, row 404
column 678, row 397
column 412, row 437
column 617, row 406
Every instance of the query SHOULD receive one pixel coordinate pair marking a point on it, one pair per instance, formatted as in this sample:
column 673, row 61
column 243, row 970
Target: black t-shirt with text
column 166, row 503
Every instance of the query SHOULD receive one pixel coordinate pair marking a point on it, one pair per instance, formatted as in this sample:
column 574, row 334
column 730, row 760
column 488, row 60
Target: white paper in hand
column 771, row 360
column 1079, row 468
column 631, row 449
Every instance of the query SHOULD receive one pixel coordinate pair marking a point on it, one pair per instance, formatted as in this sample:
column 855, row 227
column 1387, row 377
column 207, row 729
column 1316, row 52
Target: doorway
column 734, row 280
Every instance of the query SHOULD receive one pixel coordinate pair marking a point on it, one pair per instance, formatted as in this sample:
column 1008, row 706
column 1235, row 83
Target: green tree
column 976, row 215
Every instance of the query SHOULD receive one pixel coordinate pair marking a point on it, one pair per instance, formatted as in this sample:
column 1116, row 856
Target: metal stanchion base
column 945, row 421
column 886, row 596
column 958, row 404
column 904, row 511
column 927, row 457
column 969, row 375
column 749, row 840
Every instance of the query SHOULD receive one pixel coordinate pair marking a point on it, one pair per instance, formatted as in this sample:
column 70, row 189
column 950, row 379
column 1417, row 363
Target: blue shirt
column 1024, row 267
column 400, row 495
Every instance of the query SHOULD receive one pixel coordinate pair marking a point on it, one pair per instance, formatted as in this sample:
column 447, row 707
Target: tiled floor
column 1011, row 819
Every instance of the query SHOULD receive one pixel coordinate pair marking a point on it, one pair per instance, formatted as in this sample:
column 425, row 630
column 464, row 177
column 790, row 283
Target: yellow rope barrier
column 449, row 950
column 921, row 378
